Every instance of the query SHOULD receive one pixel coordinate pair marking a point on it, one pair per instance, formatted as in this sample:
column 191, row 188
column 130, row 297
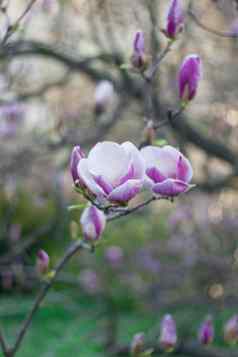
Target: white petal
column 136, row 159
column 164, row 158
column 87, row 178
column 108, row 159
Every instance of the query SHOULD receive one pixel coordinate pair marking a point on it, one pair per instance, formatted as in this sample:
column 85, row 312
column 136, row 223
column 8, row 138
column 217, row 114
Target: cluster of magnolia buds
column 113, row 174
column 168, row 335
column 190, row 71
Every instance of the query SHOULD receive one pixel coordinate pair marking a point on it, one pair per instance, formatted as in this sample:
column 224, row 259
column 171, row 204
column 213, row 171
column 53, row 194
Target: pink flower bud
column 175, row 19
column 138, row 56
column 168, row 335
column 206, row 332
column 42, row 262
column 76, row 155
column 137, row 344
column 93, row 223
column 190, row 74
column 231, row 330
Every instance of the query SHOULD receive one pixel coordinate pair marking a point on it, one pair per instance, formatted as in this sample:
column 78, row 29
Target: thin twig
column 203, row 26
column 73, row 249
column 128, row 211
column 12, row 28
column 151, row 71
column 3, row 343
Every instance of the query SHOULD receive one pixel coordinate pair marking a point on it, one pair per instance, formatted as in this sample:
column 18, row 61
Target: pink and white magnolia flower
column 168, row 171
column 168, row 334
column 174, row 20
column 189, row 76
column 112, row 172
column 93, row 222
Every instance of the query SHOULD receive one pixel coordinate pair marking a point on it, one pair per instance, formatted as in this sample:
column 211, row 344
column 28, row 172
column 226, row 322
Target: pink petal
column 184, row 169
column 155, row 175
column 126, row 191
column 170, row 188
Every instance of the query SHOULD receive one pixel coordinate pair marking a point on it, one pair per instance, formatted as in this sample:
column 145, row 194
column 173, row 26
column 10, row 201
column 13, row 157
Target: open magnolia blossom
column 168, row 171
column 111, row 172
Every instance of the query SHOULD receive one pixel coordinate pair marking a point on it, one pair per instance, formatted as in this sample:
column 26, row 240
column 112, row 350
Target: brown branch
column 227, row 35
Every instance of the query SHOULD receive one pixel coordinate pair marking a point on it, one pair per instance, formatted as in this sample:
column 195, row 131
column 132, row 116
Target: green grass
column 68, row 325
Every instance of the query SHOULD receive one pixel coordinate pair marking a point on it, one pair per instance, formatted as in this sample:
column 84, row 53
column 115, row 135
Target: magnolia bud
column 231, row 330
column 137, row 344
column 175, row 19
column 206, row 332
column 168, row 335
column 138, row 58
column 76, row 155
column 93, row 223
column 189, row 76
column 42, row 262
column 103, row 94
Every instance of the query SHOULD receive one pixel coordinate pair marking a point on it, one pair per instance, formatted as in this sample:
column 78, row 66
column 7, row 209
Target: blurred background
column 179, row 257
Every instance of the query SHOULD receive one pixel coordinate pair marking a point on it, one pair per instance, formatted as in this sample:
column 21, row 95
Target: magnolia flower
column 168, row 334
column 206, row 332
column 42, row 262
column 93, row 222
column 104, row 93
column 112, row 172
column 189, row 76
column 231, row 330
column 174, row 20
column 138, row 56
column 137, row 344
column 168, row 170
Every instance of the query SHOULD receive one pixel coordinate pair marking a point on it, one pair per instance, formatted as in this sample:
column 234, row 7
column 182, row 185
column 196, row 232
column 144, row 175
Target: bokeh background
column 179, row 257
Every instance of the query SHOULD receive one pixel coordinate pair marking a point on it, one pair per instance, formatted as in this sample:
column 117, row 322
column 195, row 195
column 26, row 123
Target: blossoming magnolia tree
column 112, row 174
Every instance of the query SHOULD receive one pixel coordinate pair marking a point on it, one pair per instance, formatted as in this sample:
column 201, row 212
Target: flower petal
column 137, row 162
column 87, row 179
column 106, row 186
column 184, row 169
column 155, row 175
column 126, row 191
column 108, row 159
column 165, row 159
column 170, row 188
